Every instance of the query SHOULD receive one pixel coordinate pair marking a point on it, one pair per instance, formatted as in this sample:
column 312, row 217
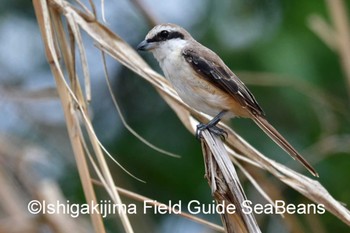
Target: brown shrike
column 204, row 82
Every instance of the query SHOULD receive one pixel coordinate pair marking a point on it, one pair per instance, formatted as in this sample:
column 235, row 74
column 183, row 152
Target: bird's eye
column 164, row 34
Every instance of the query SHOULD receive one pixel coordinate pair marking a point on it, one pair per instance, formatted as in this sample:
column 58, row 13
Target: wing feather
column 217, row 73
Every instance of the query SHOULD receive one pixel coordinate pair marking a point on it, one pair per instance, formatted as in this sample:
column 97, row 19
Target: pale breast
column 193, row 90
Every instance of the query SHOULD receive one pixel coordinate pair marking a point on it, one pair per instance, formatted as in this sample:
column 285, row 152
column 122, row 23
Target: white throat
column 169, row 49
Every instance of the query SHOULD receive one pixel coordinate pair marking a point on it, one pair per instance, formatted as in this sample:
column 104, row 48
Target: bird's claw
column 212, row 129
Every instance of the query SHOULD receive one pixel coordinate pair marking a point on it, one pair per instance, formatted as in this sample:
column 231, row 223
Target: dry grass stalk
column 44, row 21
column 140, row 198
column 150, row 18
column 341, row 23
column 71, row 97
column 225, row 185
column 50, row 192
column 113, row 45
column 21, row 182
column 12, row 202
column 123, row 120
column 310, row 188
column 321, row 28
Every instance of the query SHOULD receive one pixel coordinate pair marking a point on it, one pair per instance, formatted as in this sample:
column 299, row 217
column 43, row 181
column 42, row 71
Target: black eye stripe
column 173, row 35
column 161, row 36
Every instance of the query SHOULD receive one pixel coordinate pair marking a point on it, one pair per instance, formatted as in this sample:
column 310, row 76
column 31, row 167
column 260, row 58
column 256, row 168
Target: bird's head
column 165, row 38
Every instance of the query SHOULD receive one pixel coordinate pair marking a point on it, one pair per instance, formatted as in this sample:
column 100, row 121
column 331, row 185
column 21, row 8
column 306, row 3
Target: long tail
column 282, row 142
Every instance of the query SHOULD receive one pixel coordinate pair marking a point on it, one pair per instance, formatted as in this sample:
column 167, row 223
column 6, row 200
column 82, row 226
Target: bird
column 204, row 82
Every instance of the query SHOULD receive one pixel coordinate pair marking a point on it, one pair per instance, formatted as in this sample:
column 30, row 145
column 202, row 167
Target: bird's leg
column 211, row 126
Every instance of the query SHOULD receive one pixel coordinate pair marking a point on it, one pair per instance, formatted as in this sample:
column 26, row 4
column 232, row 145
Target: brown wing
column 216, row 72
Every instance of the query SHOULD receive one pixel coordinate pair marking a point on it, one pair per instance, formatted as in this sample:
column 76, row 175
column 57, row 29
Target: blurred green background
column 269, row 44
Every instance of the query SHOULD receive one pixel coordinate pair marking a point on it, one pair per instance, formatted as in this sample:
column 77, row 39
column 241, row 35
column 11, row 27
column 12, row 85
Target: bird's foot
column 212, row 129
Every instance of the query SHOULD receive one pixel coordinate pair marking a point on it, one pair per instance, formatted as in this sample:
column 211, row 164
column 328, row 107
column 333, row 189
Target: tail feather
column 282, row 142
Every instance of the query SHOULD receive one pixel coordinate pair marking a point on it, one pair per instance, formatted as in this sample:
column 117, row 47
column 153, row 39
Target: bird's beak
column 146, row 46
